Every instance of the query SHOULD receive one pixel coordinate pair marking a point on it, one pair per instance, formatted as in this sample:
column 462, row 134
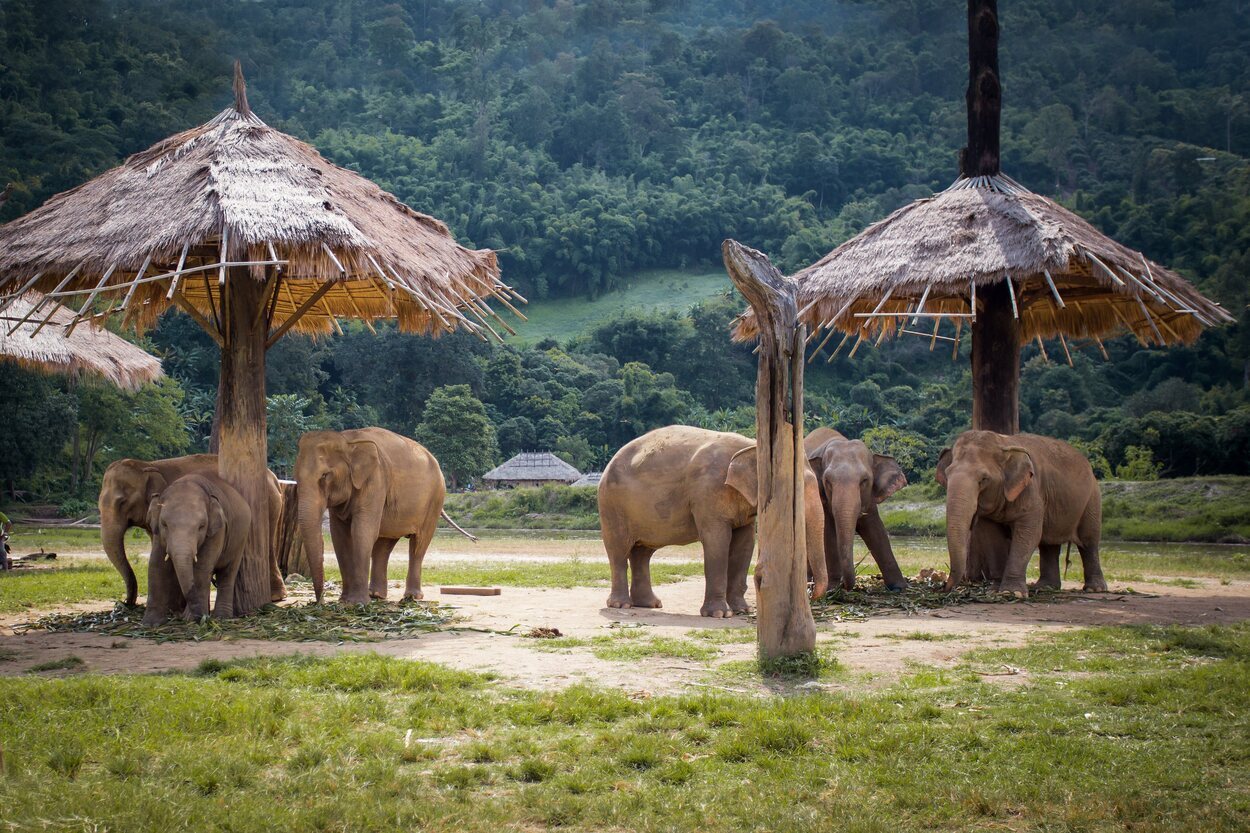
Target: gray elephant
column 127, row 491
column 1041, row 490
column 199, row 529
column 853, row 481
column 378, row 487
column 678, row 485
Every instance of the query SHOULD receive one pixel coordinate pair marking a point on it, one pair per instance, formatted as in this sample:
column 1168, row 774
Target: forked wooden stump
column 784, row 620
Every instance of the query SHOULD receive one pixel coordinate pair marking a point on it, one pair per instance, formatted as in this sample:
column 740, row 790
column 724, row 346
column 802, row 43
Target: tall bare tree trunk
column 243, row 455
column 287, row 542
column 785, row 624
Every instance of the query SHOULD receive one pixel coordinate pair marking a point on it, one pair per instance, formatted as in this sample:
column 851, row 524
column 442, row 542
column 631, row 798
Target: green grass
column 649, row 291
column 64, row 664
column 543, row 507
column 55, row 586
column 1151, row 736
column 630, row 644
column 27, row 540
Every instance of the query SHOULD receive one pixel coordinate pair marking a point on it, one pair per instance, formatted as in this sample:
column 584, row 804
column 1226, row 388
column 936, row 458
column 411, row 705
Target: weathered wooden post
column 785, row 623
column 995, row 328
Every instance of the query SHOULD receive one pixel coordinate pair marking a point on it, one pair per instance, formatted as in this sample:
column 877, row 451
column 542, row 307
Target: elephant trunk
column 961, row 511
column 183, row 555
column 113, row 536
column 845, row 517
column 311, row 508
column 814, row 526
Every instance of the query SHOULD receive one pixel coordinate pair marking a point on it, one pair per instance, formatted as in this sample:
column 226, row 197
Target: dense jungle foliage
column 588, row 140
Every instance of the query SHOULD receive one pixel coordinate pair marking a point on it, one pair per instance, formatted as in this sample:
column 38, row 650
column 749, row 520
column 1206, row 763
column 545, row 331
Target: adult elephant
column 126, row 494
column 853, row 481
column 678, row 485
column 378, row 487
column 1041, row 490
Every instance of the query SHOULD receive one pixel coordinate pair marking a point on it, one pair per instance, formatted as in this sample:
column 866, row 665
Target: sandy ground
column 871, row 650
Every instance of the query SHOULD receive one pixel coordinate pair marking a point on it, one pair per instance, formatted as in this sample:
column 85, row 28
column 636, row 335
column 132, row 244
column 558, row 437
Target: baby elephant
column 199, row 528
column 1041, row 490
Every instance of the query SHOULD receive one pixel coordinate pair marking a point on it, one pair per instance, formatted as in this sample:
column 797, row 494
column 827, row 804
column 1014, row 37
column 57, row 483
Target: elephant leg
column 161, row 588
column 418, row 543
column 1024, row 540
column 224, row 606
column 277, row 587
column 1089, row 534
column 1049, row 562
column 833, row 564
column 640, row 592
column 341, row 538
column 872, row 530
column 377, row 566
column 741, row 547
column 618, row 547
column 716, row 538
column 364, row 535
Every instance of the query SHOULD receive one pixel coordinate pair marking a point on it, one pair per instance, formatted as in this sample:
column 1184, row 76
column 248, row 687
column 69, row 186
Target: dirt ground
column 872, row 650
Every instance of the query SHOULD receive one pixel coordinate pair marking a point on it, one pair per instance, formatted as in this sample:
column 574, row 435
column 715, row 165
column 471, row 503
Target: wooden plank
column 298, row 314
column 470, row 591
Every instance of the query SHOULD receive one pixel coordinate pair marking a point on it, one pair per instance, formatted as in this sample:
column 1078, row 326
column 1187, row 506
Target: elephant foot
column 1015, row 591
column 379, row 595
column 620, row 601
column 898, row 587
column 1046, row 585
column 648, row 600
column 277, row 595
column 739, row 606
column 1095, row 585
column 151, row 619
column 354, row 599
column 413, row 596
column 716, row 610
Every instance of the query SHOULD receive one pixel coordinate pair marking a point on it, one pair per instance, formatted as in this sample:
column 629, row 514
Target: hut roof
column 1067, row 277
column 534, row 465
column 590, row 478
column 85, row 350
column 237, row 191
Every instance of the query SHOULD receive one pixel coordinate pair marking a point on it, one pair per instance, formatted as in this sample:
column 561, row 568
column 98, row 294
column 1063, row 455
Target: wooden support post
column 785, row 624
column 984, row 94
column 287, row 542
column 243, row 454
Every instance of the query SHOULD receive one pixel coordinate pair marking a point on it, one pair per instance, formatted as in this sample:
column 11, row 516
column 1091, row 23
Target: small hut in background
column 531, row 468
column 590, row 478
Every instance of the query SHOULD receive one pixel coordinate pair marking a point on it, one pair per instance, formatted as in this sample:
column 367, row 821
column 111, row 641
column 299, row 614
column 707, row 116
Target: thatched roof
column 85, row 350
column 981, row 231
column 590, row 478
column 533, row 465
column 238, row 191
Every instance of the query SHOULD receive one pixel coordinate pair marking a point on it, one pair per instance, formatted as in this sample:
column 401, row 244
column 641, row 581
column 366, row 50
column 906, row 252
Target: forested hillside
column 588, row 140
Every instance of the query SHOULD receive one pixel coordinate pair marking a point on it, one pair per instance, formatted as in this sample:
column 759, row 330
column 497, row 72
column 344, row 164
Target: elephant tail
column 457, row 526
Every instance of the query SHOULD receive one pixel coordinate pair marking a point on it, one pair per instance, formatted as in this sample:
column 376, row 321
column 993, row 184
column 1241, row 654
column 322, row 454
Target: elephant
column 853, row 481
column 199, row 529
column 379, row 487
column 126, row 492
column 1041, row 490
column 677, row 485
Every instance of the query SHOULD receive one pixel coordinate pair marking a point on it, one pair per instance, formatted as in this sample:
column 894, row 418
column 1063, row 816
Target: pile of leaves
column 309, row 622
column 925, row 592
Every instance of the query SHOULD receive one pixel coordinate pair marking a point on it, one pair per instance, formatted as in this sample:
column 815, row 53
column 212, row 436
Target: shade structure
column 927, row 261
column 252, row 233
column 87, row 350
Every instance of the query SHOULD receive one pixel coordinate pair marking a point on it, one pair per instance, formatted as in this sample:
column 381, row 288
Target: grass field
column 1115, row 729
column 662, row 289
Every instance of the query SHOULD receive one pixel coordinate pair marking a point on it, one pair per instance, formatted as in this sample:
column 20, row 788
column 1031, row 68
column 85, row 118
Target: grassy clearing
column 628, row 644
column 539, row 507
column 648, row 291
column 27, row 540
column 365, row 742
column 40, row 589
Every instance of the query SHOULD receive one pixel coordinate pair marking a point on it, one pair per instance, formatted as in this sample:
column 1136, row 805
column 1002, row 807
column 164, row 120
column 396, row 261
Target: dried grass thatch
column 533, row 466
column 923, row 261
column 234, row 190
column 86, row 350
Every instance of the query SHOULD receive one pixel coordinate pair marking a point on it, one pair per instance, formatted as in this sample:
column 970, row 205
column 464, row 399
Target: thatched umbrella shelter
column 1013, row 265
column 252, row 233
column 87, row 350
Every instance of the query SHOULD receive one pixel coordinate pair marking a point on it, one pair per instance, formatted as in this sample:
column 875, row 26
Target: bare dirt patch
column 875, row 651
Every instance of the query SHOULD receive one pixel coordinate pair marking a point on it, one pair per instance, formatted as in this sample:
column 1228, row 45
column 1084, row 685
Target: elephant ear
column 944, row 460
column 887, row 477
column 216, row 517
column 154, row 517
column 1017, row 471
column 364, row 460
column 741, row 475
column 153, row 483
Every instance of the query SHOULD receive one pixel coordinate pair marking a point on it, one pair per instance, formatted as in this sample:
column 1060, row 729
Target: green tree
column 456, row 430
column 35, row 421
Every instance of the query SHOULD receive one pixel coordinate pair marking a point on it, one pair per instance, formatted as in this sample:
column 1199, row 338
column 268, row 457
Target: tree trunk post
column 243, row 457
column 785, row 624
column 287, row 541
